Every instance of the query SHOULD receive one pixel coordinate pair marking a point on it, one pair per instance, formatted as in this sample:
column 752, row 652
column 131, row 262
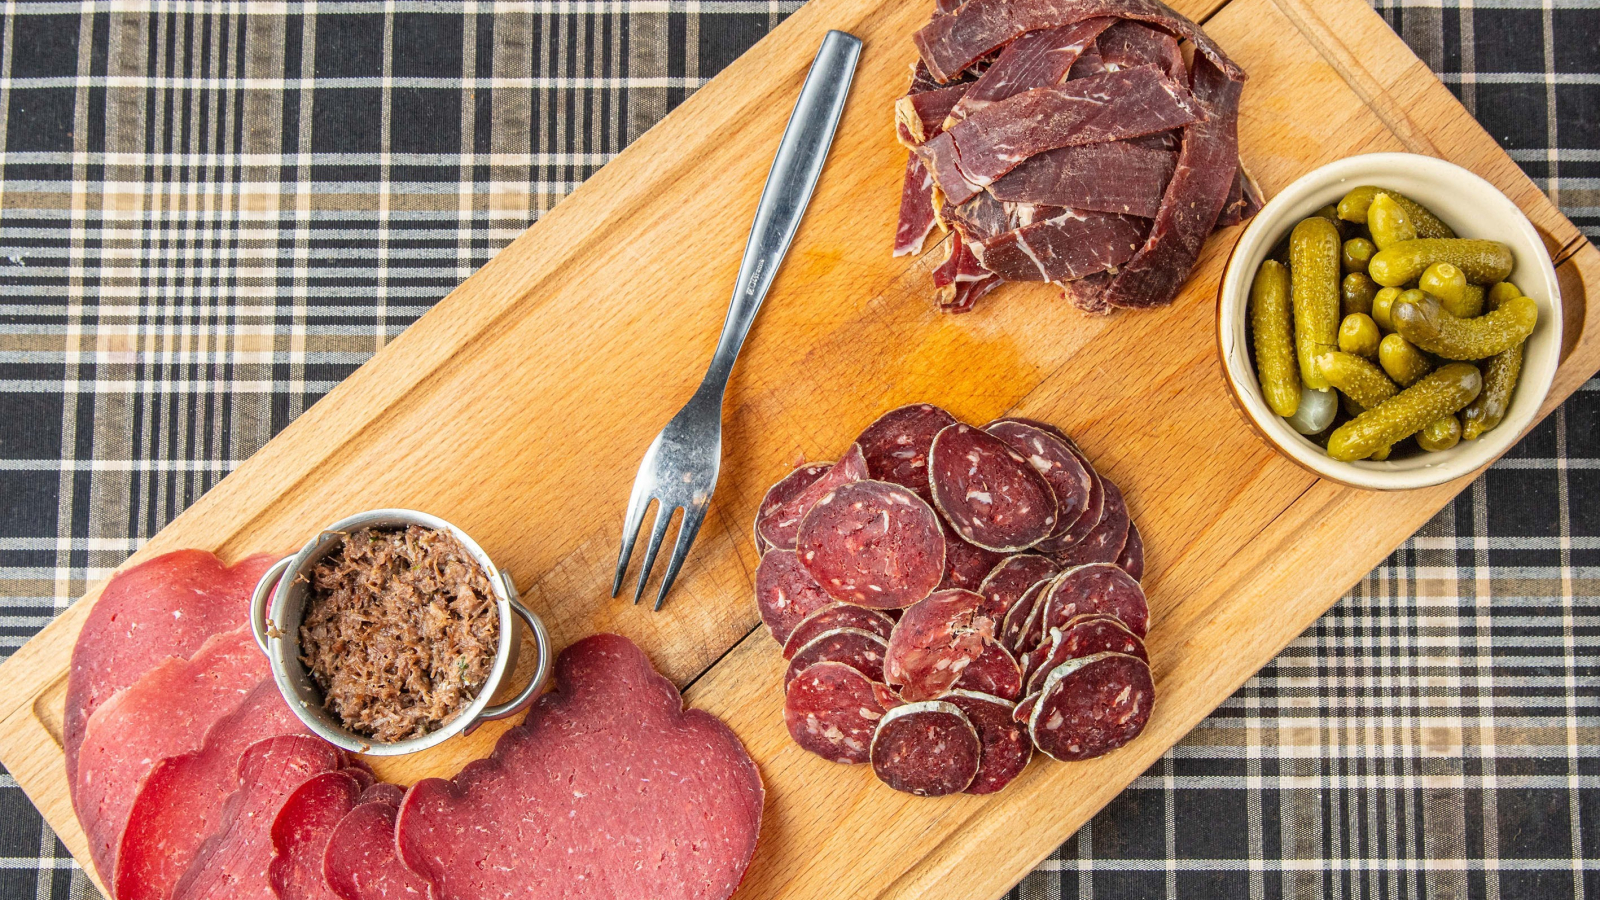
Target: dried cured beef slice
column 836, row 615
column 609, row 788
column 832, row 710
column 1105, row 541
column 934, row 641
column 858, row 649
column 301, row 831
column 1038, row 59
column 873, row 544
column 920, row 115
column 917, row 215
column 1014, row 627
column 1052, row 454
column 178, row 804
column 360, row 862
column 1005, row 742
column 1086, row 293
column 1088, row 65
column 1091, row 706
column 234, row 860
column 988, row 493
column 166, row 606
column 1128, row 43
column 786, row 503
column 1131, row 559
column 361, row 772
column 995, row 671
column 965, row 564
column 383, row 792
column 1069, row 244
column 1097, row 588
column 1111, row 177
column 1010, row 578
column 1093, row 509
column 895, row 446
column 165, row 713
column 786, row 593
column 1083, row 636
column 930, row 749
column 961, row 280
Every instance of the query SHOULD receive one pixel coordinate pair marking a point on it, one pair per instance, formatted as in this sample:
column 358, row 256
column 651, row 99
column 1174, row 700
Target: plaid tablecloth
column 208, row 218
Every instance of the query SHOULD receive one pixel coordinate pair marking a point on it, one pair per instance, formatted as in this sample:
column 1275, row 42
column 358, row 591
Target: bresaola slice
column 917, row 215
column 929, row 749
column 779, row 522
column 836, row 615
column 858, row 649
column 1128, row 43
column 301, row 831
column 1111, row 177
column 1037, row 59
column 383, row 792
column 832, row 710
column 360, row 862
column 934, row 641
column 895, row 446
column 1052, row 455
column 1006, row 746
column 1066, row 245
column 1091, row 706
column 990, row 495
column 873, row 544
column 1097, row 588
column 786, row 593
column 1105, row 540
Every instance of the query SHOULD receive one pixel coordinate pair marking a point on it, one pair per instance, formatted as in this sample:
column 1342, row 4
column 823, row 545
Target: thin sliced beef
column 360, row 862
column 1091, row 706
column 779, row 522
column 896, row 445
column 929, row 749
column 873, row 544
column 917, row 219
column 1128, row 43
column 836, row 615
column 1087, row 294
column 934, row 641
column 1038, row 59
column 1006, row 745
column 786, row 593
column 1067, row 246
column 1051, row 453
column 988, row 492
column 1112, row 177
column 1088, row 65
column 1097, row 588
column 919, row 116
column 961, row 280
column 301, row 831
column 1244, row 200
column 857, row 648
column 832, row 710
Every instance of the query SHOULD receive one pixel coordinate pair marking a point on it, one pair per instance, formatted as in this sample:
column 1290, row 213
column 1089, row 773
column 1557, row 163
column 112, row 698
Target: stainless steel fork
column 680, row 468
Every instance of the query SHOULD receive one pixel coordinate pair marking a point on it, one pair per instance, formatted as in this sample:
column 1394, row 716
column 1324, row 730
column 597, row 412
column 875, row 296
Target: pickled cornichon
column 1501, row 292
column 1402, row 360
column 1442, row 393
column 1383, row 305
column 1389, row 223
column 1356, row 378
column 1359, row 335
column 1500, row 373
column 1484, row 262
column 1356, row 292
column 1423, row 320
column 1354, row 206
column 1314, row 259
column 1440, row 434
column 1272, row 322
column 1355, row 255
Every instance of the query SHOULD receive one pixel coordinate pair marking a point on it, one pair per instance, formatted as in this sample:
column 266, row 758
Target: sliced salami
column 769, row 515
column 1104, row 542
column 781, row 524
column 873, row 544
column 832, row 710
column 1005, row 584
column 934, row 641
column 360, row 863
column 786, row 593
column 929, row 749
column 1014, row 627
column 995, row 671
column 1083, row 636
column 1093, row 509
column 1033, row 628
column 300, row 834
column 965, row 564
column 1005, row 742
column 836, row 615
column 1024, row 710
column 858, row 649
column 1055, row 459
column 1091, row 706
column 1095, row 588
column 1131, row 559
column 991, row 496
column 896, row 445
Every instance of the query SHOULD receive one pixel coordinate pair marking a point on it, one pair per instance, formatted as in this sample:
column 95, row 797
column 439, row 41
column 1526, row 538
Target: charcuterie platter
column 520, row 405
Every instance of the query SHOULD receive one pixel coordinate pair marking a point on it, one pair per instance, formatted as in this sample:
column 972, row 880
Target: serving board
column 520, row 406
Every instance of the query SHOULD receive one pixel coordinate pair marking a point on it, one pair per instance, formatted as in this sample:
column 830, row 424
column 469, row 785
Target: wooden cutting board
column 520, row 406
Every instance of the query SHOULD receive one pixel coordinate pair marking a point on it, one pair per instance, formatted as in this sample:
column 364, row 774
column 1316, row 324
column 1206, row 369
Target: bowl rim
column 1234, row 353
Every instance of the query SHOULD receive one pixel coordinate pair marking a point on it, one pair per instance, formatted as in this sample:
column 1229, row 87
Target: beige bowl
column 1468, row 204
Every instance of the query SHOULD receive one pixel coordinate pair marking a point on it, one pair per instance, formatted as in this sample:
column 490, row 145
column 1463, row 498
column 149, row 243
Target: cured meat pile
column 1068, row 141
column 192, row 779
column 951, row 598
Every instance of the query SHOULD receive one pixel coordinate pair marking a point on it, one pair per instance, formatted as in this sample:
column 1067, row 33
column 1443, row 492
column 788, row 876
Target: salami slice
column 1005, row 742
column 896, row 445
column 858, row 649
column 965, row 564
column 1131, row 559
column 1033, row 628
column 1104, row 542
column 1055, row 459
column 1083, row 636
column 991, row 496
column 1095, row 588
column 873, row 544
column 995, row 672
column 1005, row 584
column 360, row 863
column 934, row 641
column 1091, row 706
column 769, row 515
column 929, row 749
column 300, row 834
column 1093, row 509
column 832, row 710
column 1014, row 627
column 786, row 593
column 836, row 615
column 780, row 525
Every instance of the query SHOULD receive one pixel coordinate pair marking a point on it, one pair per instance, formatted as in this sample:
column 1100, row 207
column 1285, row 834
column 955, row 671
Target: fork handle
column 788, row 190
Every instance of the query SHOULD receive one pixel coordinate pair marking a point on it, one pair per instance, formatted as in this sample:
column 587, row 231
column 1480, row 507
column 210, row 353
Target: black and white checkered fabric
column 209, row 216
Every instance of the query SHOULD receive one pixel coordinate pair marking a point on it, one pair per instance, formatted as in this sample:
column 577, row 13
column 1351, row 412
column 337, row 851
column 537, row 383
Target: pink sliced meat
column 961, row 280
column 1128, row 43
column 233, row 862
column 1070, row 244
column 1244, row 201
column 1087, row 294
column 1091, row 706
column 786, row 503
column 929, row 749
column 301, row 831
column 836, row 615
column 1005, row 584
column 861, row 650
column 1024, row 711
column 383, row 792
column 786, row 593
column 965, row 563
column 1038, row 59
column 832, row 710
column 1006, row 747
column 1097, row 588
column 995, row 671
column 873, row 544
column 179, row 803
column 934, row 641
column 166, row 606
column 1093, row 510
column 609, row 788
column 1014, row 627
column 1131, row 559
column 165, row 713
column 917, row 215
column 361, row 772
column 360, row 862
column 988, row 492
column 920, row 115
column 1083, row 636
column 1112, row 106
column 1053, row 456
column 1104, row 542
column 896, row 445
column 1111, row 177
column 1089, row 64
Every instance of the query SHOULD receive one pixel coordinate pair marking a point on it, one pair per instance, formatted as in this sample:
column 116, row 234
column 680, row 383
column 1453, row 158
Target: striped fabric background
column 209, row 216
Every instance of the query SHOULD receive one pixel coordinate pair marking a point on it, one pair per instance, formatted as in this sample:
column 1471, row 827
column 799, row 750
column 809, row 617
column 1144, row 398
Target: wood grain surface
column 520, row 406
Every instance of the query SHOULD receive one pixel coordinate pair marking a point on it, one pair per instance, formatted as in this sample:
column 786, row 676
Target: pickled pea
column 1355, row 205
column 1389, row 222
column 1314, row 259
column 1382, row 306
column 1442, row 393
column 1356, row 292
column 1484, row 262
column 1359, row 335
column 1272, row 323
column 1424, row 321
column 1440, row 434
column 1356, row 253
column 1402, row 360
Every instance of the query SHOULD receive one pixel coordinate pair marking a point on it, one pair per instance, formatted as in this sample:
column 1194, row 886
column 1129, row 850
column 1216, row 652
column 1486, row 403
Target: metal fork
column 680, row 468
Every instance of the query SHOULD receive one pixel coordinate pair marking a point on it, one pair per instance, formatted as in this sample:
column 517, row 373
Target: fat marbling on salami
column 873, row 544
column 988, row 492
